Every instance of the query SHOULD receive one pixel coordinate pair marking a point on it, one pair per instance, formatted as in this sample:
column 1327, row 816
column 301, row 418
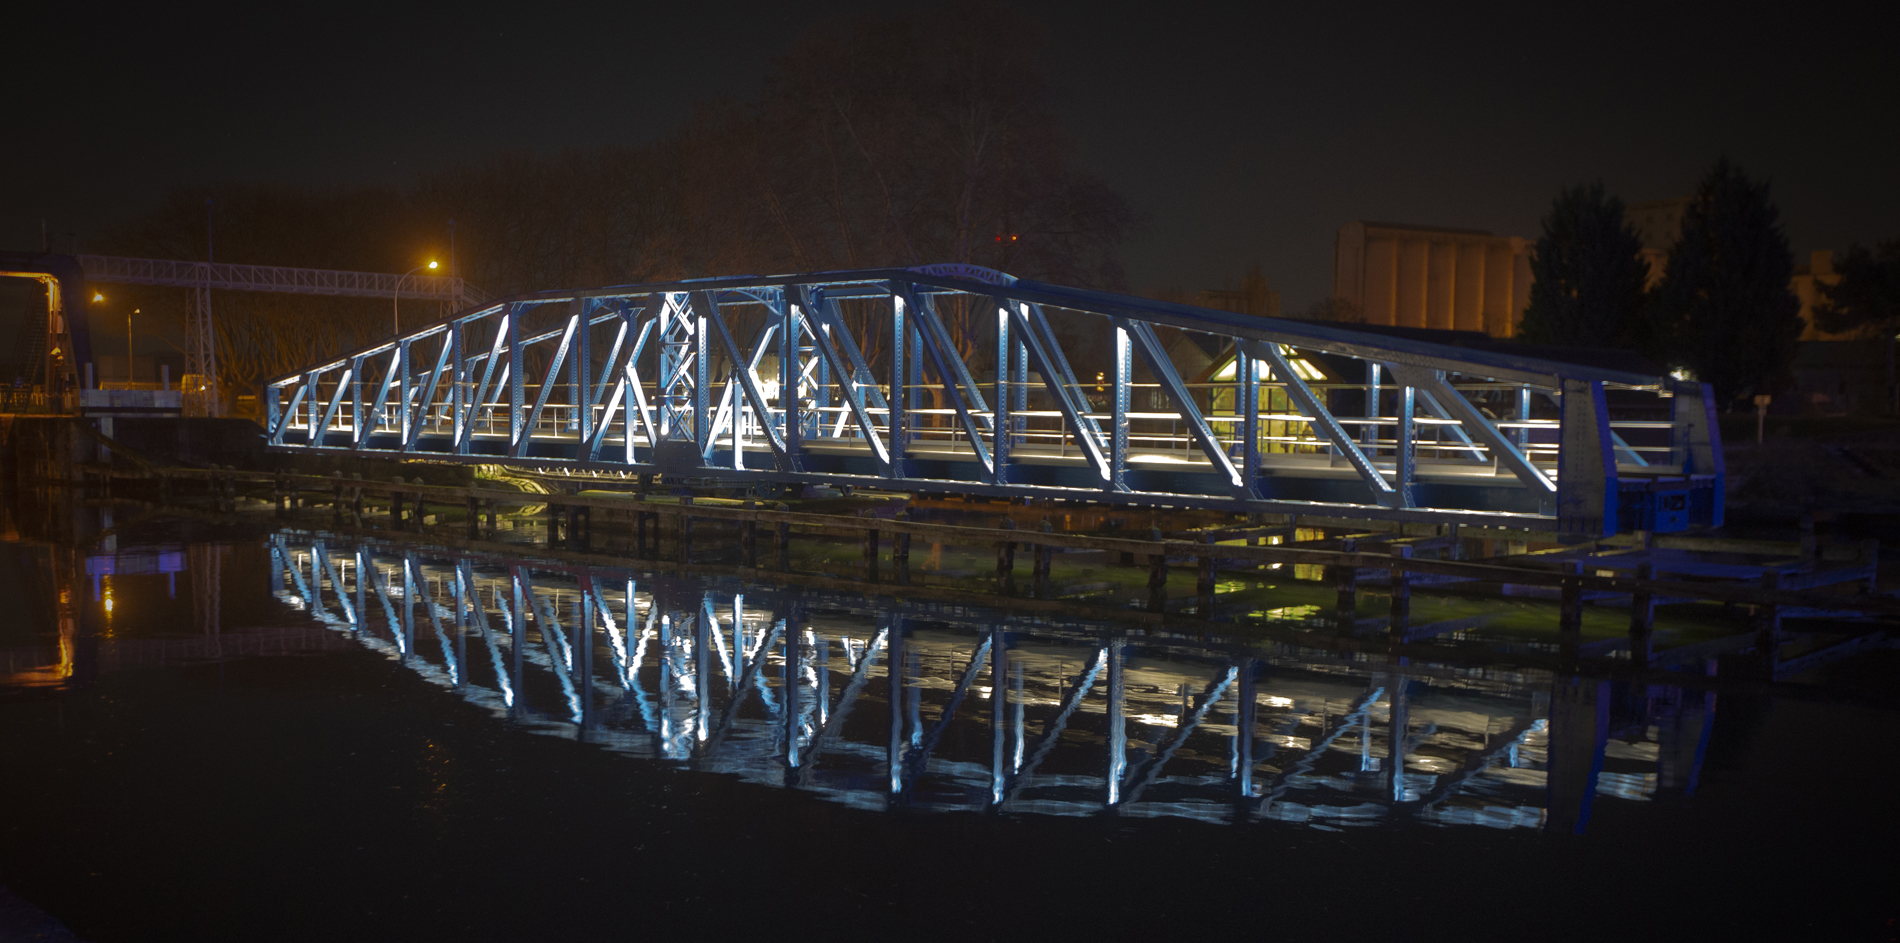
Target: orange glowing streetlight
column 395, row 298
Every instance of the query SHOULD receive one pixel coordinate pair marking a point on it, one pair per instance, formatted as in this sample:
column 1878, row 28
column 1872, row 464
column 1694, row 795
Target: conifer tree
column 1724, row 308
column 1588, row 275
column 1865, row 300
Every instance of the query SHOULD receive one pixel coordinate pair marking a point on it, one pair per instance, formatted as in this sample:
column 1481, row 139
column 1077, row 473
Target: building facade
column 1420, row 276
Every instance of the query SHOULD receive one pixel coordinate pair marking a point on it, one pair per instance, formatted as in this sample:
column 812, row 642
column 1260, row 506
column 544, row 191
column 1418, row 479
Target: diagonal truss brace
column 820, row 319
column 526, row 434
column 1432, row 382
column 1090, row 442
column 940, row 352
column 1162, row 367
column 748, row 382
column 1310, row 405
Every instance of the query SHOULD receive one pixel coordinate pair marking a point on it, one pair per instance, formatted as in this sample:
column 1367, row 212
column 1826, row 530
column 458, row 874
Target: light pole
column 395, row 298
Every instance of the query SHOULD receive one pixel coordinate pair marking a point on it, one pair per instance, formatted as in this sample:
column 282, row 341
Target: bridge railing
column 958, row 380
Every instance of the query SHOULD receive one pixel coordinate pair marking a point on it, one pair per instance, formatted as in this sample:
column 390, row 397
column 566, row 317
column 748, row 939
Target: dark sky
column 1244, row 138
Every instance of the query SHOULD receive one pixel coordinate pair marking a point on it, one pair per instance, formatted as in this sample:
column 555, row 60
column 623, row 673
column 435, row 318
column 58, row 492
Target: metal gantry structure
column 954, row 378
column 64, row 352
column 785, row 687
column 201, row 278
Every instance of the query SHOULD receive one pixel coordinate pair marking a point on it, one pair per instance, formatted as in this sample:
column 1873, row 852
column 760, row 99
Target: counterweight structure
column 953, row 378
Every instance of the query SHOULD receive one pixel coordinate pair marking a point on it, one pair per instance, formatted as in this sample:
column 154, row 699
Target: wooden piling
column 1642, row 617
column 749, row 539
column 1204, row 582
column 474, row 518
column 1401, row 590
column 784, row 542
column 1570, row 599
column 900, row 551
column 1346, row 581
column 1768, row 625
column 1570, row 610
column 1157, row 578
column 870, row 548
column 1006, row 557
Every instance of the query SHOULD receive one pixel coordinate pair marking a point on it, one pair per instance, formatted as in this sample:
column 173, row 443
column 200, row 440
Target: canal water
column 250, row 733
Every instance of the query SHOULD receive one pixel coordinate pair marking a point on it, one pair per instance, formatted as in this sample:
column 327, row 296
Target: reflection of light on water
column 1292, row 613
column 1453, row 765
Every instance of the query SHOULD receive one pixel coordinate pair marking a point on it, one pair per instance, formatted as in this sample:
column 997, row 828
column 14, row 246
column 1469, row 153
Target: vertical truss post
column 1405, row 449
column 1247, row 404
column 583, row 372
column 789, row 374
column 516, row 390
column 702, row 373
column 1000, row 427
column 1019, row 368
column 1369, row 432
column 1118, row 420
column 1523, row 415
column 821, row 374
column 404, row 391
column 356, row 401
column 901, row 387
column 916, row 368
column 458, row 385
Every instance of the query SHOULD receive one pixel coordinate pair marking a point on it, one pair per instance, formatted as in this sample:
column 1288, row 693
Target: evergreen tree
column 1588, row 275
column 1866, row 297
column 1724, row 308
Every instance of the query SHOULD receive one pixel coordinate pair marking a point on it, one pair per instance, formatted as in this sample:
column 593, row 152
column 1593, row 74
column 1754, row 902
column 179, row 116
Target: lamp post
column 395, row 298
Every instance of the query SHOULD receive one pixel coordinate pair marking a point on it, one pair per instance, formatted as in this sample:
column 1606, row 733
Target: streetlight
column 395, row 299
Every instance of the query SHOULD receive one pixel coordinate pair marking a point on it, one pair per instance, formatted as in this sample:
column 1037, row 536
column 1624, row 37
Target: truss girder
column 881, row 380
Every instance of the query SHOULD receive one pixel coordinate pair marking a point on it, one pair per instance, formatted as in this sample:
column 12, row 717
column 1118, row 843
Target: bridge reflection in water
column 874, row 702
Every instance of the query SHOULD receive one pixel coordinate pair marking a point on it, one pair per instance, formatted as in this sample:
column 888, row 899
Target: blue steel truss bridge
column 957, row 379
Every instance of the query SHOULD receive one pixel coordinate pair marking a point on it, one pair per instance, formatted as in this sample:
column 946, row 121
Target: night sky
column 1242, row 138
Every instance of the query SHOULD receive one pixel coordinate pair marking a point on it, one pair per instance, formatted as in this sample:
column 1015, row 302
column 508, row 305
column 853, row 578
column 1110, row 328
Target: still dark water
column 287, row 736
